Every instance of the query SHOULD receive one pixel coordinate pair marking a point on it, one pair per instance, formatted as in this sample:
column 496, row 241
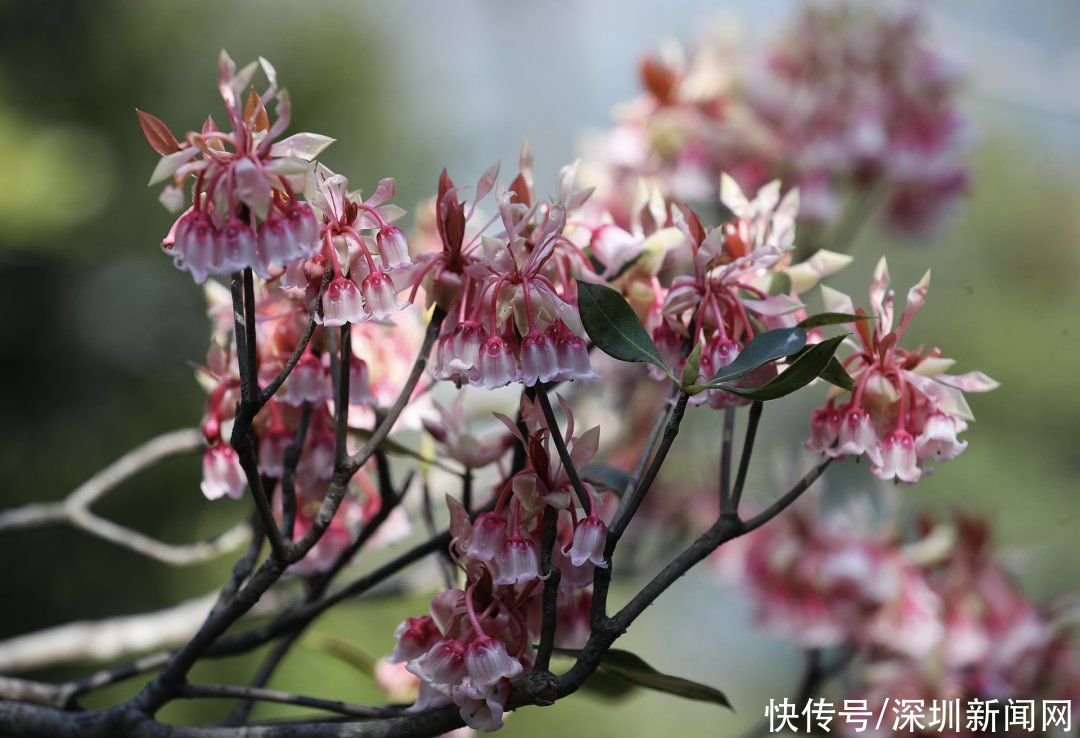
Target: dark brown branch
column 747, row 452
column 726, row 439
column 228, row 691
column 305, row 339
column 551, row 590
column 560, row 446
column 243, row 440
column 789, row 497
column 289, row 463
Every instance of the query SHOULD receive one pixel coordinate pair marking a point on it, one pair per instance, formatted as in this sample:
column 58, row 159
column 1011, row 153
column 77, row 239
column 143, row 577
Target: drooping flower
column 245, row 212
column 905, row 412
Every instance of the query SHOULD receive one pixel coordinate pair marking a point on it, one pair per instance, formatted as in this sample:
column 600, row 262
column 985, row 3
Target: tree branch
column 226, row 691
column 74, row 509
column 726, row 439
column 560, row 446
column 747, row 452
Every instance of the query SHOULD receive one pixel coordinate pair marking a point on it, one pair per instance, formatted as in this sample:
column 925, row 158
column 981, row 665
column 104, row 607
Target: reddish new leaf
column 255, row 111
column 157, row 134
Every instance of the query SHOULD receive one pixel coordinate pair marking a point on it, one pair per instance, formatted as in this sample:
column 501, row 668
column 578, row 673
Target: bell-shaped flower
column 379, row 295
column 442, row 665
column 856, row 435
column 415, row 636
column 308, row 382
column 518, row 562
column 488, row 537
column 938, row 439
column 896, row 458
column 824, row 428
column 539, row 362
column 222, row 474
column 590, row 537
column 342, row 303
column 393, row 248
column 498, row 364
column 487, row 661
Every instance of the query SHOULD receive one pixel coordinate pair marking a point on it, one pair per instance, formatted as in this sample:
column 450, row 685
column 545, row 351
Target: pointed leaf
column 802, row 372
column 158, row 135
column 634, row 669
column 609, row 477
column 835, row 374
column 394, row 448
column 342, row 650
column 301, row 145
column 763, row 348
column 816, row 321
column 169, row 163
column 692, row 366
column 613, row 326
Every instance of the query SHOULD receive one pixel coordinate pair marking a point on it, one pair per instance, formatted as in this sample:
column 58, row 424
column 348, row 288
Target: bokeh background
column 96, row 327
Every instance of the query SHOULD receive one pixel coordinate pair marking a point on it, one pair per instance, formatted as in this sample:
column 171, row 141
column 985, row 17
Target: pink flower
column 856, row 435
column 244, row 212
column 396, row 681
column 896, row 457
column 393, row 248
column 342, row 303
column 498, row 365
column 442, row 665
column 487, row 661
column 590, row 537
column 904, row 411
column 539, row 362
column 415, row 636
column 513, row 293
column 222, row 474
column 488, row 537
column 308, row 382
column 518, row 562
column 379, row 297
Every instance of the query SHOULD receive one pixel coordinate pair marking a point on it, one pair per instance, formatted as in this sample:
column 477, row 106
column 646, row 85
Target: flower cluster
column 476, row 641
column 511, row 294
column 717, row 287
column 247, row 211
column 904, row 411
column 739, row 283
column 851, row 98
column 933, row 617
column 300, row 414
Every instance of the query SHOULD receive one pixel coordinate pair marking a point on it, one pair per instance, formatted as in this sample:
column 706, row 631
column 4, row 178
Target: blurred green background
column 96, row 326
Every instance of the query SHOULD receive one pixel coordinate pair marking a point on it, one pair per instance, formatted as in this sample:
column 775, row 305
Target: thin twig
column 747, row 452
column 726, row 439
column 289, row 462
column 74, row 510
column 551, row 590
column 560, row 446
column 228, row 691
column 271, row 389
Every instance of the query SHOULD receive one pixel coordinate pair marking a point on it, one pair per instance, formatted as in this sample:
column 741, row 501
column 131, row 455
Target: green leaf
column 342, row 650
column 834, row 373
column 800, row 373
column 613, row 326
column 692, row 366
column 816, row 321
column 780, row 284
column 604, row 475
column 633, row 669
column 763, row 348
column 394, row 448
